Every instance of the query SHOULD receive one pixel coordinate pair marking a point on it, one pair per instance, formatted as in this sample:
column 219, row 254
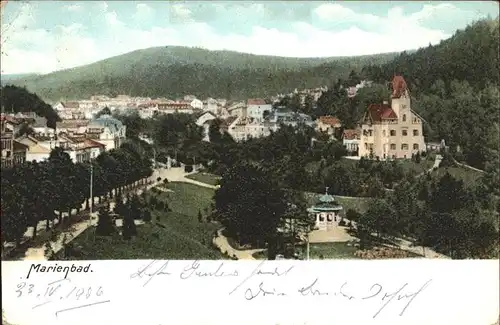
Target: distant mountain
column 6, row 78
column 174, row 71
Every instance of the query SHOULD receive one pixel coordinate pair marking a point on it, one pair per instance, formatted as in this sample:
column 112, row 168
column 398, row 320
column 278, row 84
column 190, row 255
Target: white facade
column 257, row 111
column 210, row 105
column 351, row 144
column 243, row 129
column 197, row 104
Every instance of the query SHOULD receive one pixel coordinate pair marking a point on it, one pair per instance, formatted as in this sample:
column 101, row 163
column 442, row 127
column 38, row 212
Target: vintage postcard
column 177, row 132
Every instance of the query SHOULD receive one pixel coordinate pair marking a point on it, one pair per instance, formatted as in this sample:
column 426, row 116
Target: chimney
column 385, row 102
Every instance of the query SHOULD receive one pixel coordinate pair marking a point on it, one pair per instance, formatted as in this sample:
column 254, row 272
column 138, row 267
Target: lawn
column 469, row 176
column 176, row 234
column 359, row 204
column 206, row 178
column 418, row 168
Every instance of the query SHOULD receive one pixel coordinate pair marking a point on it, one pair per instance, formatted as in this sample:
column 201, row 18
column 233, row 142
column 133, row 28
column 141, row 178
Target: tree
column 379, row 218
column 250, row 205
column 135, row 207
column 200, row 216
column 352, row 215
column 105, row 225
column 119, row 206
column 147, row 216
column 129, row 228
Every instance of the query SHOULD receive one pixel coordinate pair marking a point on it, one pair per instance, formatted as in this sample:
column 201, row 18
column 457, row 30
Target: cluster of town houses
column 387, row 131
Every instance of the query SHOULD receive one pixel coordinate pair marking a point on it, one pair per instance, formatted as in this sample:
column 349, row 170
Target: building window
column 393, row 133
column 404, row 117
column 393, row 146
column 415, row 146
column 404, row 146
column 405, row 132
column 383, row 133
column 415, row 133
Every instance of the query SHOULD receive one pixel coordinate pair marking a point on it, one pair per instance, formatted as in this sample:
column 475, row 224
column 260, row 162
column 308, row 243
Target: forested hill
column 470, row 55
column 175, row 71
column 16, row 99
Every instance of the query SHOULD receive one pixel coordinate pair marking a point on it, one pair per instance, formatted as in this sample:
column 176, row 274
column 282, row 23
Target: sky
column 46, row 36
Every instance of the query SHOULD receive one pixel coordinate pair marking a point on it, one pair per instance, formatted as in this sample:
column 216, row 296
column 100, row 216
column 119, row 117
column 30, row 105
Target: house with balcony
column 350, row 140
column 392, row 131
column 106, row 130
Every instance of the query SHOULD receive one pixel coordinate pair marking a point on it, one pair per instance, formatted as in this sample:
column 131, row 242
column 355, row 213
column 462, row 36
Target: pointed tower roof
column 399, row 86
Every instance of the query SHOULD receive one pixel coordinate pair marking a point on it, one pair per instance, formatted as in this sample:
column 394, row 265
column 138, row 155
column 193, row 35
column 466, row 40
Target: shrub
column 165, row 181
column 342, row 223
column 352, row 215
column 129, row 228
column 105, row 223
column 146, row 216
column 417, row 158
column 158, row 179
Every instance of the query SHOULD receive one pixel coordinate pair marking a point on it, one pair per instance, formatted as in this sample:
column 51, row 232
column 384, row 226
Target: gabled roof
column 19, row 146
column 398, row 86
column 256, row 101
column 379, row 112
column 227, row 122
column 329, row 120
column 351, row 134
column 39, row 149
column 70, row 104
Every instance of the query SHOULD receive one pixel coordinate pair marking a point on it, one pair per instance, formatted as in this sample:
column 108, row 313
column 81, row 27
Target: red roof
column 173, row 106
column 398, row 86
column 329, row 120
column 351, row 134
column 256, row 101
column 380, row 112
column 71, row 105
column 10, row 119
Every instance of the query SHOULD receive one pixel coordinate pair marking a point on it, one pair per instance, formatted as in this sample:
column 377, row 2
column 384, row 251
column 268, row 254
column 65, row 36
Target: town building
column 256, row 109
column 392, row 131
column 350, row 140
column 327, row 124
column 106, row 130
column 196, row 103
column 69, row 110
column 204, row 121
column 210, row 105
column 289, row 119
column 238, row 109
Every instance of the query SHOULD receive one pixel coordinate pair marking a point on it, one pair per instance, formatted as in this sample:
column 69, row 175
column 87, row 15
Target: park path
column 221, row 242
column 38, row 253
column 419, row 250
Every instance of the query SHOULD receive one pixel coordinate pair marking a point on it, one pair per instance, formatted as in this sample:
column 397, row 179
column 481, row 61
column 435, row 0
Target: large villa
column 392, row 131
